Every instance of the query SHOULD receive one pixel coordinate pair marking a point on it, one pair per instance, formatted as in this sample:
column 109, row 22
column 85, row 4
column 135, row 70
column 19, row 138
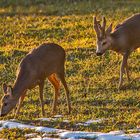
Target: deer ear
column 9, row 90
column 109, row 30
column 117, row 26
column 5, row 88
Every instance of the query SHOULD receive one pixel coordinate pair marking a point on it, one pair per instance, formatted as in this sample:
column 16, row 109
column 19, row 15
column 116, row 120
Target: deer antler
column 100, row 30
column 103, row 25
column 96, row 27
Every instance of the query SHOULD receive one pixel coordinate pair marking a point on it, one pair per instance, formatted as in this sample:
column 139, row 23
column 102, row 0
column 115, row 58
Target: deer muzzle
column 98, row 54
column 1, row 115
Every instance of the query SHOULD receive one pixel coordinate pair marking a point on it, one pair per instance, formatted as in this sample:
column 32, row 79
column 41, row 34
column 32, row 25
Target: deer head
column 104, row 39
column 8, row 102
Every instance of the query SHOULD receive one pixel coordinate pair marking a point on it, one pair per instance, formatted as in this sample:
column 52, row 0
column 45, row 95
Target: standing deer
column 45, row 61
column 124, row 40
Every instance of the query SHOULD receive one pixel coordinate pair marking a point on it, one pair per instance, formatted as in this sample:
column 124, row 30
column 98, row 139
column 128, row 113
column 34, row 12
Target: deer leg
column 14, row 110
column 123, row 67
column 127, row 72
column 41, row 86
column 56, row 83
column 62, row 78
column 19, row 104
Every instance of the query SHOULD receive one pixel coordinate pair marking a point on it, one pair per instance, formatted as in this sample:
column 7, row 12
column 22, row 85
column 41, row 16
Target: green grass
column 92, row 80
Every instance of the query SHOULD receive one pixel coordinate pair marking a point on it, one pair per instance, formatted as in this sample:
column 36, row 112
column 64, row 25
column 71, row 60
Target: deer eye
column 5, row 104
column 6, row 97
column 104, row 43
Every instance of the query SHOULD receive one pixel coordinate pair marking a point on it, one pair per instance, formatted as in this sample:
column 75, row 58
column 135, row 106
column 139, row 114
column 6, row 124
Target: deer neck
column 19, row 88
column 118, row 43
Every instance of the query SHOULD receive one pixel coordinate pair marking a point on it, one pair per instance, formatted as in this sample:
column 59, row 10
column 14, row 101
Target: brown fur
column 45, row 61
column 124, row 40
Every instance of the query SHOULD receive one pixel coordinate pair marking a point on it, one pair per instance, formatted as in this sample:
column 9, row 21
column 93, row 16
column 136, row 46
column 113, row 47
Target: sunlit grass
column 92, row 80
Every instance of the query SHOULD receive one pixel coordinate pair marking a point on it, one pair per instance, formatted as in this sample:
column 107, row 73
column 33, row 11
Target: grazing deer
column 45, row 61
column 124, row 40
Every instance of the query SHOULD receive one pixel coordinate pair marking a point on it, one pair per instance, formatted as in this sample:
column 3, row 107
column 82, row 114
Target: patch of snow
column 44, row 119
column 31, row 135
column 78, row 135
column 137, row 138
column 49, row 135
column 112, row 137
column 74, row 139
column 134, row 130
column 58, row 116
column 83, row 124
column 71, row 58
column 1, row 128
column 48, row 119
column 97, row 135
column 66, row 121
column 44, row 138
column 93, row 121
column 12, row 120
column 46, row 129
column 117, row 132
column 89, row 122
column 70, row 135
column 55, row 119
column 134, row 135
column 8, row 124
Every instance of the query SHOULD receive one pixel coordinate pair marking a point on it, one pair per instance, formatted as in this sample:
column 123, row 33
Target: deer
column 45, row 61
column 124, row 39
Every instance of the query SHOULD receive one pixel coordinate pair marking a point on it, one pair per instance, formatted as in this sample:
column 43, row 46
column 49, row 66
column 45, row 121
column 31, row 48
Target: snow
column 93, row 121
column 81, row 124
column 70, row 135
column 44, row 138
column 97, row 135
column 45, row 119
column 78, row 135
column 45, row 129
column 66, row 121
column 117, row 132
column 112, row 137
column 9, row 124
column 58, row 116
column 55, row 118
column 89, row 122
column 31, row 135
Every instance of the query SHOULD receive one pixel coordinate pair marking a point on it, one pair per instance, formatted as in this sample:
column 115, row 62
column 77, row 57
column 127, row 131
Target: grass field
column 92, row 80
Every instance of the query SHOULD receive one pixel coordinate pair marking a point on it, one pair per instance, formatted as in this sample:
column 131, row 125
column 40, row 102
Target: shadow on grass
column 57, row 33
column 133, row 85
column 64, row 7
column 11, row 56
column 74, row 57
